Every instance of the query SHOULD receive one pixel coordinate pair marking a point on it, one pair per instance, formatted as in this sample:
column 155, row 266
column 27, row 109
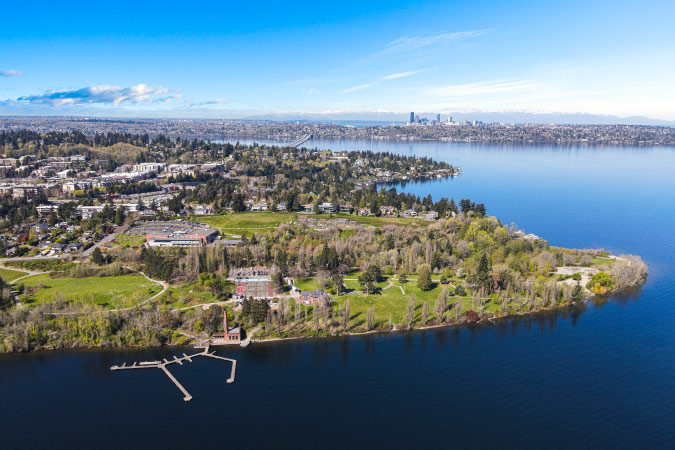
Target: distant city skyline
column 308, row 60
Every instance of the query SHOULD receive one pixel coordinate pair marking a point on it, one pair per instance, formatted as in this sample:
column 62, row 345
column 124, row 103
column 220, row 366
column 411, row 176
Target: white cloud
column 311, row 91
column 216, row 101
column 103, row 94
column 406, row 44
column 394, row 76
column 359, row 87
column 10, row 73
column 485, row 87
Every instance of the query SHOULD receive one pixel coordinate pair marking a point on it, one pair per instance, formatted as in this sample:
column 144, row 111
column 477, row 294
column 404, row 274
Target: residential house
column 387, row 210
column 431, row 215
column 317, row 297
column 326, row 208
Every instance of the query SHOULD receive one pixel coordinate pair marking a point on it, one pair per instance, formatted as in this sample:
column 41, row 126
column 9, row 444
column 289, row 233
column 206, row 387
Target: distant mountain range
column 507, row 117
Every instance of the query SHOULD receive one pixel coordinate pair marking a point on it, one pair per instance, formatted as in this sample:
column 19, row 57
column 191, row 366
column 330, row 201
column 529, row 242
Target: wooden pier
column 162, row 365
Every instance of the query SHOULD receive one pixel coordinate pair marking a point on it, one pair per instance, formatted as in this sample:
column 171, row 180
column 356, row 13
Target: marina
column 165, row 362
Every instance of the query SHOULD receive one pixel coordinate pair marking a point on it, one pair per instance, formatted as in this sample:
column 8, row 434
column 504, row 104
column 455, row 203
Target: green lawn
column 307, row 284
column 187, row 295
column 11, row 275
column 389, row 301
column 379, row 221
column 597, row 262
column 109, row 292
column 244, row 220
column 392, row 302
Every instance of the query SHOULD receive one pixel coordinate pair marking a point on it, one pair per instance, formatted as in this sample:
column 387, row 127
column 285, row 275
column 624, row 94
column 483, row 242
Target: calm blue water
column 600, row 376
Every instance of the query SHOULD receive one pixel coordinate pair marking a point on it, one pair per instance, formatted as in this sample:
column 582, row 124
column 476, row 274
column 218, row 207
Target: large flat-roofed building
column 252, row 282
column 177, row 234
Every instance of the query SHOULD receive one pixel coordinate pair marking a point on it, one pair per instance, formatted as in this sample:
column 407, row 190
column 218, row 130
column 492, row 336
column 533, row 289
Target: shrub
column 600, row 284
column 472, row 316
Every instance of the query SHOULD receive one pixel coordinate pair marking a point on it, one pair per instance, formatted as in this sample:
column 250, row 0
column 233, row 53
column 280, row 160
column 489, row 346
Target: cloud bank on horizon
column 390, row 57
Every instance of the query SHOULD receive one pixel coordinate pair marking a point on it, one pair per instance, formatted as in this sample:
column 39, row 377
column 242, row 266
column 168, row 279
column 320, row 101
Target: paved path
column 29, row 273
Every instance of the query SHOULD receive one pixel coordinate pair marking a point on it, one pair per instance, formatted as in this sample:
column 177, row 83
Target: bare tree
column 425, row 313
column 345, row 316
column 458, row 309
column 270, row 320
column 441, row 305
column 410, row 311
column 370, row 318
column 297, row 314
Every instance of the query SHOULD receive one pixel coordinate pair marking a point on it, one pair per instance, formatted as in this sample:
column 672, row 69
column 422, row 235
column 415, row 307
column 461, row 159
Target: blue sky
column 237, row 59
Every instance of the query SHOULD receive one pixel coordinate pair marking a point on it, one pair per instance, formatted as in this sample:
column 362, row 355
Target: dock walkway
column 162, row 365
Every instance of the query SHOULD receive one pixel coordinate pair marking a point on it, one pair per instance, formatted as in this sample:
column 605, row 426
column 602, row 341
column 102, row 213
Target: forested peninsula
column 140, row 241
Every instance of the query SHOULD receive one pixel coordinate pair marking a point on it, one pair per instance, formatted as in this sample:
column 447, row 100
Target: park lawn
column 353, row 285
column 597, row 262
column 307, row 284
column 392, row 302
column 187, row 295
column 10, row 275
column 109, row 292
column 246, row 220
column 378, row 221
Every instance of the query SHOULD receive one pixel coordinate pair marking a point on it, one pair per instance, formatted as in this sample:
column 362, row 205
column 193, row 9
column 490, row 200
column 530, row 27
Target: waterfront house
column 317, row 297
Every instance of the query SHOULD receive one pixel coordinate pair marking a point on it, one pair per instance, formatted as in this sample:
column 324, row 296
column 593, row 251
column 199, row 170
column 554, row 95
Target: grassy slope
column 109, row 292
column 252, row 220
column 10, row 275
column 246, row 222
column 188, row 294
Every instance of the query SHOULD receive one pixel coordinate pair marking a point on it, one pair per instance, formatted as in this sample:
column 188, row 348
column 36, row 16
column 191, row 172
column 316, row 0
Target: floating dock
column 162, row 365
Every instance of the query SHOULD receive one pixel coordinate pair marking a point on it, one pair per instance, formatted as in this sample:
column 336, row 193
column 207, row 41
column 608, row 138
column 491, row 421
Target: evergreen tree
column 97, row 257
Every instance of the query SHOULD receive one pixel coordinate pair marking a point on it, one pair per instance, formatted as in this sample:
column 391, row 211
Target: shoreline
column 193, row 343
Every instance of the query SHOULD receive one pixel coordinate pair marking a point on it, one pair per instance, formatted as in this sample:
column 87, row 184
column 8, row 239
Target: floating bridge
column 299, row 142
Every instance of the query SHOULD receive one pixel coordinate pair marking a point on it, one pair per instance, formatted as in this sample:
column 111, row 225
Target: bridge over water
column 302, row 140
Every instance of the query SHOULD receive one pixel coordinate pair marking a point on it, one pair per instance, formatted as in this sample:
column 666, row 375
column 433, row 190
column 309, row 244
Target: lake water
column 598, row 376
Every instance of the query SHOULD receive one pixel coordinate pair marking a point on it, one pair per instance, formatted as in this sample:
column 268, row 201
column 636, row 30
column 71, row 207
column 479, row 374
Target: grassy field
column 11, row 275
column 385, row 220
column 392, row 303
column 388, row 299
column 109, row 292
column 597, row 262
column 187, row 295
column 307, row 284
column 242, row 223
column 246, row 222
